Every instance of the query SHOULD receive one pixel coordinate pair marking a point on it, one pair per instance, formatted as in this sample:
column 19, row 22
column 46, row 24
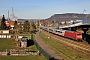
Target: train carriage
column 61, row 32
column 51, row 30
column 55, row 31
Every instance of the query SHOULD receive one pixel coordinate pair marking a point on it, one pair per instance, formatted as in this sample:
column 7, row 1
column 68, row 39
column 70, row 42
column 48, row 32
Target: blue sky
column 33, row 9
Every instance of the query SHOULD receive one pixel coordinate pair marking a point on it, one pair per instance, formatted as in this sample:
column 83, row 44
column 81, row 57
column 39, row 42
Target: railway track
column 80, row 46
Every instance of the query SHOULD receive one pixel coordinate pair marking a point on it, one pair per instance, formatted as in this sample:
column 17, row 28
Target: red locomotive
column 73, row 35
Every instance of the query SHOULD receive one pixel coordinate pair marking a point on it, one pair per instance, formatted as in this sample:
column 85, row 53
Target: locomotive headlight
column 78, row 36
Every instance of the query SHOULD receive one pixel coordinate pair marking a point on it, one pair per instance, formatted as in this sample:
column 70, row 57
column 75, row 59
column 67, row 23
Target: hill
column 68, row 17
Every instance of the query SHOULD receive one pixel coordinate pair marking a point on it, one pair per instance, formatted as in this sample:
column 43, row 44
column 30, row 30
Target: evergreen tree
column 38, row 22
column 73, row 22
column 3, row 24
column 15, row 24
column 32, row 27
column 65, row 23
column 20, row 27
column 26, row 26
column 58, row 23
column 53, row 23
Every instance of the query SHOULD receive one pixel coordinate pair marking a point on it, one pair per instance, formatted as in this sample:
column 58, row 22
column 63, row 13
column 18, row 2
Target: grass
column 25, row 34
column 33, row 47
column 28, row 34
column 64, row 51
column 22, row 58
column 7, row 43
column 11, row 44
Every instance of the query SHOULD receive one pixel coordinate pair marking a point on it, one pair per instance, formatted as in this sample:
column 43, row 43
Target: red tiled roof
column 11, row 23
column 41, row 22
column 48, row 23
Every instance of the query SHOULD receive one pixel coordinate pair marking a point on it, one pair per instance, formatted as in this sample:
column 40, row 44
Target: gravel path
column 46, row 48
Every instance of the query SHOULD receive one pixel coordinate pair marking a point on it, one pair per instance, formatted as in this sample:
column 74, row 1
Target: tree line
column 25, row 27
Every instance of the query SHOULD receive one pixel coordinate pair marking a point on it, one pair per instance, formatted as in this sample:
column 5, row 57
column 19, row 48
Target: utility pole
column 39, row 24
column 58, row 24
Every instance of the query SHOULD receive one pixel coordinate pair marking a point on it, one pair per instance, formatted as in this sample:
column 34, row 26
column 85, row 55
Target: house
column 10, row 24
column 46, row 23
column 42, row 23
column 49, row 23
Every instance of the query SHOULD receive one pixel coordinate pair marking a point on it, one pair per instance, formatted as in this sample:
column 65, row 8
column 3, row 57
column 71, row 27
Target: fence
column 16, row 52
column 3, row 52
column 40, row 49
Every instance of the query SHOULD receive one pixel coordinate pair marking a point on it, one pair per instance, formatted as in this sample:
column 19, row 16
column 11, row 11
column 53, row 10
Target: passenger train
column 65, row 33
